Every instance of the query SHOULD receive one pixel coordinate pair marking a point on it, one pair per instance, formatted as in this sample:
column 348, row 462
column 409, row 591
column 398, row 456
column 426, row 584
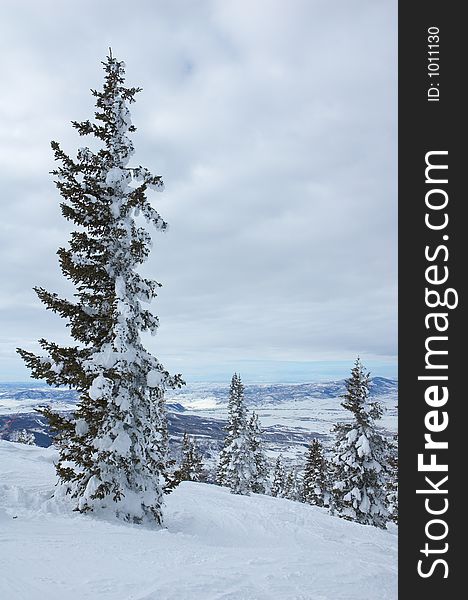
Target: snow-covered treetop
column 356, row 399
column 105, row 175
column 237, row 409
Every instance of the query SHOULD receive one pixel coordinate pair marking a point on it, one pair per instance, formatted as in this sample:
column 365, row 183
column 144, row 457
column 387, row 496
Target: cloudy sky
column 273, row 124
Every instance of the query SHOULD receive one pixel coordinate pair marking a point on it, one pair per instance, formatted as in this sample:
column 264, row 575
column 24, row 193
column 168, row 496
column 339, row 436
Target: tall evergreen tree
column 360, row 456
column 113, row 452
column 279, row 479
column 237, row 465
column 260, row 477
column 314, row 489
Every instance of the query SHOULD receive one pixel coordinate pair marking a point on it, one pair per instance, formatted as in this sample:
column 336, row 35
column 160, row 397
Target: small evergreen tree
column 360, row 455
column 113, row 452
column 279, row 477
column 314, row 489
column 260, row 477
column 191, row 467
column 237, row 463
column 292, row 486
column 23, row 437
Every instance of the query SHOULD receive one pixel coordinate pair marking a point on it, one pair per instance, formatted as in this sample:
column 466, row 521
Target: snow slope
column 215, row 546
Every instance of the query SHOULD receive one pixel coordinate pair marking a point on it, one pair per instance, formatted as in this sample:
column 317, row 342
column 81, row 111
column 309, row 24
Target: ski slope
column 215, row 546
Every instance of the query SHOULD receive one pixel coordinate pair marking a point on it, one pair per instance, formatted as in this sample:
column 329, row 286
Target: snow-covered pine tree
column 237, row 465
column 360, row 456
column 191, row 466
column 314, row 488
column 292, row 487
column 279, row 479
column 260, row 478
column 113, row 452
column 21, row 436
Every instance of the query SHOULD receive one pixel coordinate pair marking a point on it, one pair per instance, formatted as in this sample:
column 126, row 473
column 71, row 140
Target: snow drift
column 215, row 545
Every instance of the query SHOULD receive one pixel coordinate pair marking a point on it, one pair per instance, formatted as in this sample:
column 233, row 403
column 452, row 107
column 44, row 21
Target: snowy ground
column 215, row 546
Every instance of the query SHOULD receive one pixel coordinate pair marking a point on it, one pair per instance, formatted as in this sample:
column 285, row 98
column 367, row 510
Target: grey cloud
column 274, row 127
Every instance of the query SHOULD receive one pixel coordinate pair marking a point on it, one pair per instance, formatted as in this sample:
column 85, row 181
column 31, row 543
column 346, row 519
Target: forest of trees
column 356, row 479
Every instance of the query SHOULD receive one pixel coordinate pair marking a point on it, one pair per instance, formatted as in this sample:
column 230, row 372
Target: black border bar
column 433, row 249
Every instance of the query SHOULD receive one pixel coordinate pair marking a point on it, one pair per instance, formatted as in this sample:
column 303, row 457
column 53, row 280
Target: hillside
column 215, row 546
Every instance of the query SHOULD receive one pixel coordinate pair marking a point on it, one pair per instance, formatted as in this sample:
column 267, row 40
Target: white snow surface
column 154, row 378
column 215, row 546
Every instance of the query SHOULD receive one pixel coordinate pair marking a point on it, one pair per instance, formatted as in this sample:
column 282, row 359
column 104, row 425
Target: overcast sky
column 273, row 124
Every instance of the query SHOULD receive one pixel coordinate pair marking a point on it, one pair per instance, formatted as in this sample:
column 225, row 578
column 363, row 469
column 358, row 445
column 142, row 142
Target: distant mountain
column 277, row 393
column 260, row 393
column 381, row 386
column 45, row 393
column 49, row 395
